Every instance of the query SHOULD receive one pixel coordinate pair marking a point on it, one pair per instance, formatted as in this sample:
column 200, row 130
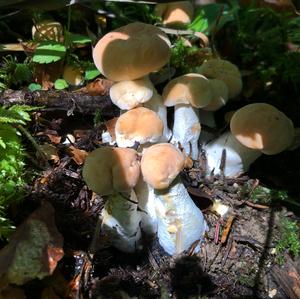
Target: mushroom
column 114, row 172
column 73, row 75
column 156, row 104
column 131, row 93
column 255, row 129
column 206, row 114
column 187, row 93
column 132, row 52
column 176, row 13
column 180, row 222
column 225, row 71
column 139, row 125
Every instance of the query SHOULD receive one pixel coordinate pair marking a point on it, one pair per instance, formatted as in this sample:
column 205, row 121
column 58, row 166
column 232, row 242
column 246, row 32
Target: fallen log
column 60, row 100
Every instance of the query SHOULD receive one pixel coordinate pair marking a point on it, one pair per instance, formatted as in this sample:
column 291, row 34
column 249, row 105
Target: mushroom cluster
column 127, row 56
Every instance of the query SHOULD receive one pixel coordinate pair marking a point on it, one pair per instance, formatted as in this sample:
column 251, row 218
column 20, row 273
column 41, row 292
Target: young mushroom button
column 180, row 222
column 255, row 129
column 139, row 125
column 114, row 172
column 187, row 93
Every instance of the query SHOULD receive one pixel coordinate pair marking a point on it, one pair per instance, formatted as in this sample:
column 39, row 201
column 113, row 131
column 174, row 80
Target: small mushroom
column 73, row 75
column 139, row 125
column 180, row 222
column 114, row 172
column 132, row 52
column 225, row 71
column 187, row 93
column 255, row 129
column 175, row 14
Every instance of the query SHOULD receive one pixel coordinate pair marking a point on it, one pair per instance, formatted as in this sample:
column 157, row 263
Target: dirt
column 239, row 267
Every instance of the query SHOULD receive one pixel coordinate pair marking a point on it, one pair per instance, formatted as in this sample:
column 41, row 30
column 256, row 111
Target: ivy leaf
column 34, row 86
column 91, row 72
column 48, row 52
column 60, row 84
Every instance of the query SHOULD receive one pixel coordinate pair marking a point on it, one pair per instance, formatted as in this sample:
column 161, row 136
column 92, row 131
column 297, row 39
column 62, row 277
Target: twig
column 227, row 229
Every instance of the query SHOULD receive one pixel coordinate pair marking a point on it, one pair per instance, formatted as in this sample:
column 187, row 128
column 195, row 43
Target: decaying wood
column 60, row 100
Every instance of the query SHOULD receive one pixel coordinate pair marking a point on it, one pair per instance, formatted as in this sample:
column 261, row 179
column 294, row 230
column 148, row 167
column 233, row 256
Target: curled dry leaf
column 33, row 250
column 77, row 155
column 97, row 87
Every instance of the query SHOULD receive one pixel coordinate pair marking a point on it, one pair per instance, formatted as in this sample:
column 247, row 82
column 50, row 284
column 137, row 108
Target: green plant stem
column 34, row 143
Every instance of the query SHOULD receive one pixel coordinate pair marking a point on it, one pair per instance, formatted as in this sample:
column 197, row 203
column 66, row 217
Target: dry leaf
column 278, row 5
column 81, row 133
column 49, row 151
column 97, row 87
column 77, row 155
column 54, row 138
column 34, row 249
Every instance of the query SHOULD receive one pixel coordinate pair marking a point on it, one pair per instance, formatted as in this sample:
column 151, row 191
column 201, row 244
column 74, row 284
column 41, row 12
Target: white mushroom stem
column 156, row 104
column 238, row 157
column 146, row 199
column 186, row 129
column 180, row 222
column 121, row 221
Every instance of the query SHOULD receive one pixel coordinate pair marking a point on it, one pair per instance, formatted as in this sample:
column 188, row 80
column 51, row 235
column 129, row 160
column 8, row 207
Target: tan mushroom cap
column 73, row 75
column 223, row 70
column 263, row 127
column 108, row 170
column 193, row 89
column 129, row 94
column 160, row 165
column 131, row 52
column 138, row 125
column 175, row 13
column 220, row 95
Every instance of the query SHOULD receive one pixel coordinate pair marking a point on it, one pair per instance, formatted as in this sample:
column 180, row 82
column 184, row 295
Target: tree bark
column 60, row 100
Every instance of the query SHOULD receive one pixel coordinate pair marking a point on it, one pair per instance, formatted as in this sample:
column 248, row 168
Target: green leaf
column 34, row 86
column 48, row 52
column 91, row 72
column 79, row 39
column 60, row 84
column 208, row 15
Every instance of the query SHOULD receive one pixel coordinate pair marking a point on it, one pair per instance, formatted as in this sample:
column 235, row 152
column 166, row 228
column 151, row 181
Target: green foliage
column 211, row 17
column 61, row 84
column 97, row 117
column 11, row 161
column 262, row 38
column 34, row 86
column 14, row 73
column 91, row 72
column 289, row 240
column 48, row 52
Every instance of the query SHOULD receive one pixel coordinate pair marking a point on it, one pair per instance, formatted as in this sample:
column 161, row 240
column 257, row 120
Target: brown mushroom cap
column 220, row 95
column 223, row 70
column 175, row 13
column 193, row 89
column 263, row 127
column 138, row 125
column 129, row 94
column 131, row 52
column 108, row 170
column 160, row 165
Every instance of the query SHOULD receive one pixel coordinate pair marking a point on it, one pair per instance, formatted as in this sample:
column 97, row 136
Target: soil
column 238, row 264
